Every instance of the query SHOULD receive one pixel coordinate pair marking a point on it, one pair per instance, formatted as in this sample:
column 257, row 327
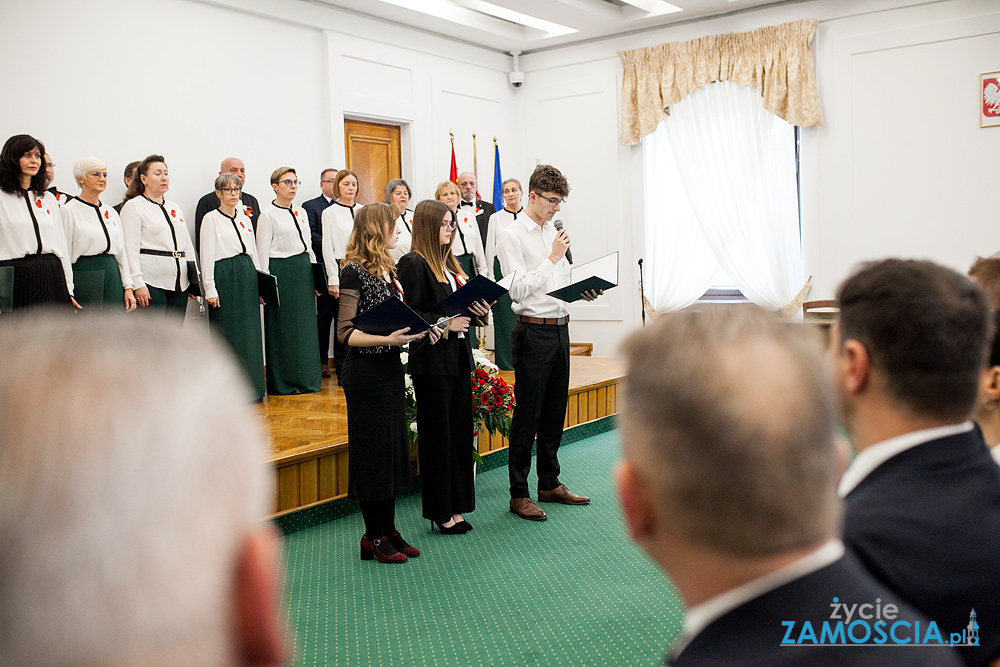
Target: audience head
column 285, row 183
column 373, row 236
column 129, row 173
column 234, row 165
column 433, row 237
column 327, row 179
column 21, row 165
column 467, row 185
column 988, row 405
column 728, row 437
column 120, row 542
column 50, row 170
column 511, row 191
column 985, row 272
column 152, row 180
column 447, row 192
column 84, row 172
column 397, row 191
column 345, row 185
column 912, row 334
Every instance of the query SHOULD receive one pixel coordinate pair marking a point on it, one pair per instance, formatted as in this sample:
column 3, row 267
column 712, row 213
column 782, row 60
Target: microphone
column 558, row 224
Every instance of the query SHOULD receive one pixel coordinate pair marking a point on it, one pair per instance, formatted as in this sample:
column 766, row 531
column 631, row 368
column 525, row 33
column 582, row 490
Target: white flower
column 413, row 427
column 408, row 381
column 404, row 357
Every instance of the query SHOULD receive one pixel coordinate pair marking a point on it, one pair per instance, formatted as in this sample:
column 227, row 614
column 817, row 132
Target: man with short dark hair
column 923, row 495
column 532, row 249
column 985, row 272
column 729, row 484
column 326, row 305
column 210, row 202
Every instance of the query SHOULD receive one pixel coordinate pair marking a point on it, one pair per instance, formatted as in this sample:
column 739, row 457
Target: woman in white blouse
column 96, row 243
column 157, row 243
column 284, row 250
column 503, row 316
column 32, row 242
column 229, row 278
column 397, row 192
column 337, row 223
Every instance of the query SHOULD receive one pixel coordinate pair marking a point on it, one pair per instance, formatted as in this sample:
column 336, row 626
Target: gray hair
column 730, row 414
column 85, row 165
column 227, row 180
column 392, row 185
column 131, row 471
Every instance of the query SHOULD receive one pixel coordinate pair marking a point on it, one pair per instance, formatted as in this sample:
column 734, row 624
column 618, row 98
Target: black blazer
column 483, row 219
column 926, row 523
column 314, row 209
column 421, row 290
column 752, row 634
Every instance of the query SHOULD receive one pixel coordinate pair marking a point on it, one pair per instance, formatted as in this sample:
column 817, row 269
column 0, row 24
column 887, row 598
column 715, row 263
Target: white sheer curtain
column 736, row 163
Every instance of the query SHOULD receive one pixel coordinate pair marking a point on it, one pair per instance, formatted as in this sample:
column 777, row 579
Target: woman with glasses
column 468, row 247
column 441, row 373
column 32, row 242
column 229, row 275
column 378, row 453
column 96, row 242
column 503, row 316
column 397, row 192
column 157, row 242
column 284, row 251
column 337, row 224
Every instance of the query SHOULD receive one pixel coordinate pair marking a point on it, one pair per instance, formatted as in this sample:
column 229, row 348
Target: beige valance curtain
column 776, row 60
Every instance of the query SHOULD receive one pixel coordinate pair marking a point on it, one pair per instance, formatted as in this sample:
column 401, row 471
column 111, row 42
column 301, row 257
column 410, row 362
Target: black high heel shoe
column 464, row 525
column 449, row 530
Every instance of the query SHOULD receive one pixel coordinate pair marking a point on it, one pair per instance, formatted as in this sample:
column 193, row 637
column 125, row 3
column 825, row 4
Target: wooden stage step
column 309, row 432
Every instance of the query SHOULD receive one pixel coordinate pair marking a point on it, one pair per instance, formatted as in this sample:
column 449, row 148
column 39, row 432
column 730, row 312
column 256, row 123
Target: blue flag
column 497, row 179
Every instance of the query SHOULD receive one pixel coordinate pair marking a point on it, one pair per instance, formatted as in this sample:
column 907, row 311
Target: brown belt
column 543, row 320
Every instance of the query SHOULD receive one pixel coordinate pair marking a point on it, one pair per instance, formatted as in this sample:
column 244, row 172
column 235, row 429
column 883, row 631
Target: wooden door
column 373, row 154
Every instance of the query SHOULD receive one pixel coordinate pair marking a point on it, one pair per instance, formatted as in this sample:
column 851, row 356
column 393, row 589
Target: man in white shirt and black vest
column 468, row 187
column 535, row 251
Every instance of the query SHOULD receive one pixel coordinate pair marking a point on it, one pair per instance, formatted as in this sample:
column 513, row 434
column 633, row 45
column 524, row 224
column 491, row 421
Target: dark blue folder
column 388, row 316
column 478, row 288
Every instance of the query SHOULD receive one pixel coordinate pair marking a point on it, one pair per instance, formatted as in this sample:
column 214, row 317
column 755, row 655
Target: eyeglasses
column 451, row 224
column 230, row 191
column 98, row 174
column 292, row 184
column 552, row 200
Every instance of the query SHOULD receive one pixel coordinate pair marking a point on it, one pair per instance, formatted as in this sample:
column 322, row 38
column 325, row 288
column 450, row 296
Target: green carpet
column 572, row 590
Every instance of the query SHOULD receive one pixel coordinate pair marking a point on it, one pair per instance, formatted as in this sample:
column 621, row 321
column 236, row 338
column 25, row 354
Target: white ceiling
column 470, row 20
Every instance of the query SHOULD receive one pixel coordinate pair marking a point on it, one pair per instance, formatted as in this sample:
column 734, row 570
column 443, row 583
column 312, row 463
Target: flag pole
column 475, row 158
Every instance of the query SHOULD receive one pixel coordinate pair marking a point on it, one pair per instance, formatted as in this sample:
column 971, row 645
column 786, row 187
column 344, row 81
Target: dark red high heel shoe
column 402, row 546
column 381, row 549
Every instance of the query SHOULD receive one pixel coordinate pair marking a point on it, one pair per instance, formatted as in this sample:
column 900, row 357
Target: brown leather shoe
column 527, row 509
column 561, row 494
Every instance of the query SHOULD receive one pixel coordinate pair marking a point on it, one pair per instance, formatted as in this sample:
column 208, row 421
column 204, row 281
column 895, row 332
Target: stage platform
column 309, row 432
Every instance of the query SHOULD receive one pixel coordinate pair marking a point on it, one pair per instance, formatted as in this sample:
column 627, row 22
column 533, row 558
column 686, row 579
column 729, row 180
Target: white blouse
column 151, row 226
column 282, row 232
column 95, row 230
column 499, row 221
column 17, row 230
column 404, row 224
column 468, row 241
column 338, row 223
column 223, row 237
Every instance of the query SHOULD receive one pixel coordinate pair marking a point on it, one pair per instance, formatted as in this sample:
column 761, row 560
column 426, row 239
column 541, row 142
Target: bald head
column 234, row 165
column 467, row 185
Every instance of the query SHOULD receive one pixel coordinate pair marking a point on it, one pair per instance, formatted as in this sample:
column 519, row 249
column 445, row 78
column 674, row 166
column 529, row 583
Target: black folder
column 6, row 288
column 388, row 316
column 88, row 287
column 267, row 288
column 593, row 275
column 479, row 288
column 194, row 278
column 319, row 279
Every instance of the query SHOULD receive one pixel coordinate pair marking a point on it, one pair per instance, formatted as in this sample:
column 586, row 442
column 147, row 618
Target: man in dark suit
column 729, row 483
column 231, row 165
column 325, row 303
column 923, row 495
column 468, row 186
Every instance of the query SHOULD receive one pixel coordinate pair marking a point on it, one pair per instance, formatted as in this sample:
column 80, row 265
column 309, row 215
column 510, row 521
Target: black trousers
column 445, row 441
column 541, row 388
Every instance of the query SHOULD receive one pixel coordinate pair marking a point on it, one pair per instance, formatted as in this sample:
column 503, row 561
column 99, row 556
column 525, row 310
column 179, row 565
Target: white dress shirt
column 868, row 459
column 499, row 222
column 524, row 248
column 95, row 230
column 404, row 224
column 152, row 226
column 282, row 232
column 468, row 242
column 338, row 223
column 17, row 231
column 223, row 237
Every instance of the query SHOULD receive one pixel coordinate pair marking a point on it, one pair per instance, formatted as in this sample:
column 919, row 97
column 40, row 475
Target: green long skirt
column 468, row 264
column 97, row 280
column 293, row 367
column 503, row 324
column 238, row 316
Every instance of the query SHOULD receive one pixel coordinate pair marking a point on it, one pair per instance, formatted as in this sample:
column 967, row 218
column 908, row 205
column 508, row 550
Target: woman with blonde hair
column 441, row 374
column 378, row 453
column 337, row 222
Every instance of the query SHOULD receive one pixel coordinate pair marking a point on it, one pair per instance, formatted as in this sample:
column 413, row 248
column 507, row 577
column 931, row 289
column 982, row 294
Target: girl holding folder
column 441, row 373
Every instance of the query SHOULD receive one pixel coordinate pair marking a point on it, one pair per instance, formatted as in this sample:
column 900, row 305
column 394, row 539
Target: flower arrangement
column 492, row 397
column 411, row 399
